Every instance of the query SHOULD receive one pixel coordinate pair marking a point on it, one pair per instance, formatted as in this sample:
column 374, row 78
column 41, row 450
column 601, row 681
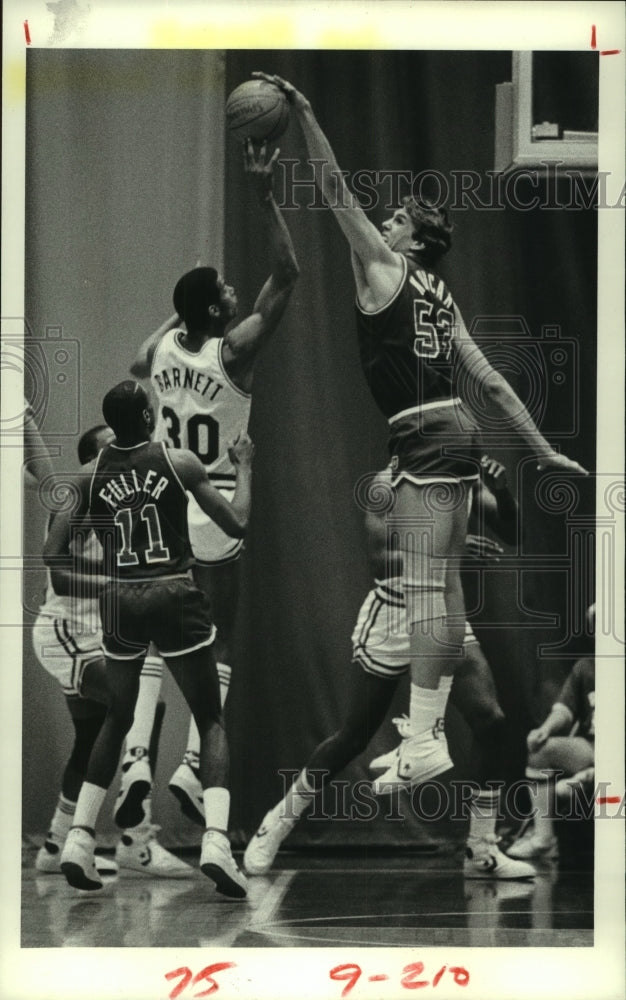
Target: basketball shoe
column 139, row 851
column 185, row 785
column 217, row 862
column 135, row 785
column 387, row 760
column 48, row 860
column 420, row 758
column 77, row 860
column 483, row 860
column 263, row 848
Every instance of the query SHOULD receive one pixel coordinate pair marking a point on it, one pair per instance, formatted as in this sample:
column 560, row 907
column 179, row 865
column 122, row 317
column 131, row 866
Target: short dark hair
column 194, row 293
column 87, row 445
column 123, row 406
column 431, row 227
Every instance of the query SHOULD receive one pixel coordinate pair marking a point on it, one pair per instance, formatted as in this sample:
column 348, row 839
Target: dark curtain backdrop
column 124, row 192
column 318, row 431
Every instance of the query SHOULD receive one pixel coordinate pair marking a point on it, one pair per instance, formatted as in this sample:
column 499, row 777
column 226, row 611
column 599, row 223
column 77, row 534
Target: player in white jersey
column 380, row 648
column 201, row 369
column 67, row 640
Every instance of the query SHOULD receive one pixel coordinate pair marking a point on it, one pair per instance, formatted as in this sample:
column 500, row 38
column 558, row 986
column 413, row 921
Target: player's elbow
column 288, row 275
column 140, row 368
column 239, row 528
column 60, row 581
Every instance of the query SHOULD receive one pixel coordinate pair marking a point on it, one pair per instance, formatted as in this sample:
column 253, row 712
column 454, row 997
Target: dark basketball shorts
column 434, row 442
column 170, row 612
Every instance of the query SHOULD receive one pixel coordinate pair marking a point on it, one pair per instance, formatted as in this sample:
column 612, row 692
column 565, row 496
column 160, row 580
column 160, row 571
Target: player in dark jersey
column 425, row 373
column 201, row 364
column 135, row 498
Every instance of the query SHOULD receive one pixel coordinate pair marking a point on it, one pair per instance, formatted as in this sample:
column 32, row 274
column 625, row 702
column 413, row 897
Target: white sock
column 296, row 801
column 63, row 818
column 224, row 672
column 216, row 808
column 483, row 814
column 89, row 804
column 149, row 690
column 426, row 706
column 542, row 799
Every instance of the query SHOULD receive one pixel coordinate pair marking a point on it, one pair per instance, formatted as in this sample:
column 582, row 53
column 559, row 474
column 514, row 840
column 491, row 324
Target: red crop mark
column 594, row 44
column 609, row 800
column 27, row 32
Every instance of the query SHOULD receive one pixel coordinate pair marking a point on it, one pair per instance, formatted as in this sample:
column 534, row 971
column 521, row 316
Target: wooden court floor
column 316, row 900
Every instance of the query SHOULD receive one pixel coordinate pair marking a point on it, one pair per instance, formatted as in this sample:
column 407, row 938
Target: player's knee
column 488, row 718
column 545, row 757
column 424, row 604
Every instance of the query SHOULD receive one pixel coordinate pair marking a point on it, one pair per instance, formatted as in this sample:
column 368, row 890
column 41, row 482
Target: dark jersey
column 138, row 508
column 407, row 348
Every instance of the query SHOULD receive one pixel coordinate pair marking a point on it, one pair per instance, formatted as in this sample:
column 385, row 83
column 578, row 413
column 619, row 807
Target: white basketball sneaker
column 135, row 785
column 263, row 848
column 217, row 862
column 420, row 758
column 140, row 851
column 389, row 759
column 533, row 847
column 48, row 860
column 77, row 860
column 185, row 785
column 483, row 860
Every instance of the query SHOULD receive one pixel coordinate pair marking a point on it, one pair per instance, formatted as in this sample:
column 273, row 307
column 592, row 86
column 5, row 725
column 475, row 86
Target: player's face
column 398, row 231
column 228, row 299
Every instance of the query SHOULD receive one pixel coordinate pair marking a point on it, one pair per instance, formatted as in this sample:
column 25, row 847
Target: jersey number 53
column 433, row 330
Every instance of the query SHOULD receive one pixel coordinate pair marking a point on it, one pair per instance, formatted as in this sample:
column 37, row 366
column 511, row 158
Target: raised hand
column 259, row 169
column 294, row 96
column 241, row 450
column 554, row 460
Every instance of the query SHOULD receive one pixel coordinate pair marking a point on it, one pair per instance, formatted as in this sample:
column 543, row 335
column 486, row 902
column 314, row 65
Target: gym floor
column 318, row 899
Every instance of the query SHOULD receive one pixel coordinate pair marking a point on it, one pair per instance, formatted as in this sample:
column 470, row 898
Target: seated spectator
column 561, row 748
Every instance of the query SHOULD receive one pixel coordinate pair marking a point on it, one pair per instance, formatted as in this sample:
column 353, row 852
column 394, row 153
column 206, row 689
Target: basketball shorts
column 209, row 544
column 434, row 442
column 170, row 612
column 380, row 641
column 65, row 652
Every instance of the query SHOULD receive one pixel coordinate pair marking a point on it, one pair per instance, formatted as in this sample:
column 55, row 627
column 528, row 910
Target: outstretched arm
column 479, row 383
column 142, row 365
column 230, row 517
column 242, row 343
column 381, row 267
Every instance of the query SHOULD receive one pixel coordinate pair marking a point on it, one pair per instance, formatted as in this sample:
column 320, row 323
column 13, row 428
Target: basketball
column 257, row 110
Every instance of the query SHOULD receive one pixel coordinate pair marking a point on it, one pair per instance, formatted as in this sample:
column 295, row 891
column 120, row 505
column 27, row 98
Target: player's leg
column 560, row 755
column 196, row 675
column 87, row 717
column 474, row 695
column 368, row 701
column 77, row 857
column 430, row 523
column 220, row 583
column 132, row 804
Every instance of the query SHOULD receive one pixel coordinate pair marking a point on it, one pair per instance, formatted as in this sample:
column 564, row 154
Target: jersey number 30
column 156, row 551
column 203, row 434
column 433, row 330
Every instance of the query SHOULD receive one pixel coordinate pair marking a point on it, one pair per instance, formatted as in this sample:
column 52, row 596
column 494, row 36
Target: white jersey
column 199, row 407
column 82, row 614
